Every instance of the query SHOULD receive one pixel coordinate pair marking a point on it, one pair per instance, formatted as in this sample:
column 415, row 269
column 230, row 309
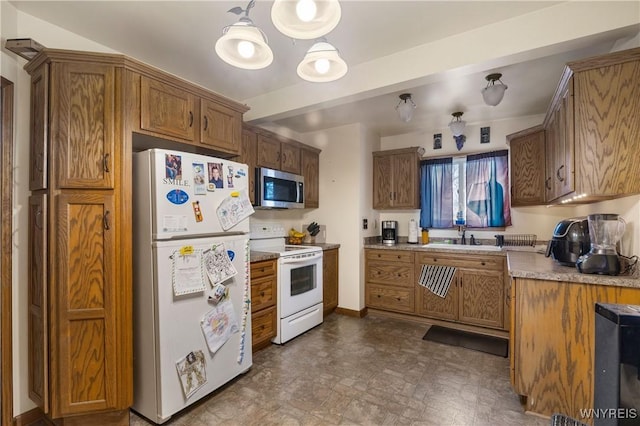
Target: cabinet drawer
column 263, row 268
column 263, row 326
column 390, row 297
column 263, row 292
column 461, row 261
column 390, row 255
column 390, row 273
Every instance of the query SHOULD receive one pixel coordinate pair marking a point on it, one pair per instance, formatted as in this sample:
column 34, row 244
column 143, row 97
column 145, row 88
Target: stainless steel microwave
column 279, row 190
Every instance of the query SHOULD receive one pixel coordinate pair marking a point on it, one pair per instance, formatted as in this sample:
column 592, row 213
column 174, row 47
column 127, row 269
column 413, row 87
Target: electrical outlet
column 365, row 224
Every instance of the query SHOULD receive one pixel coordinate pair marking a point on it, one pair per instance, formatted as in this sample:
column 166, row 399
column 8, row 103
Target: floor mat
column 477, row 342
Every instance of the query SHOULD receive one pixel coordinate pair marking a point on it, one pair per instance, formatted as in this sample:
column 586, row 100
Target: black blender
column 605, row 230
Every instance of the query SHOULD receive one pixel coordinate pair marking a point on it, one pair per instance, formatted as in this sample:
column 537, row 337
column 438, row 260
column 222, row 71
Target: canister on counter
column 425, row 236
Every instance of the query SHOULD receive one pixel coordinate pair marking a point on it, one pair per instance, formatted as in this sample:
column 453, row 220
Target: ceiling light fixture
column 322, row 63
column 305, row 19
column 457, row 125
column 244, row 45
column 405, row 107
column 493, row 93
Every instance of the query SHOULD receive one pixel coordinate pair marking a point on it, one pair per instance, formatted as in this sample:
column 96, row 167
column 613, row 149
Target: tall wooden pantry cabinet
column 87, row 110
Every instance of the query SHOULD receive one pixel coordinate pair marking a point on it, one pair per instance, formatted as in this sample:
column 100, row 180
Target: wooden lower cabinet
column 477, row 292
column 389, row 280
column 553, row 341
column 264, row 298
column 329, row 280
column 475, row 299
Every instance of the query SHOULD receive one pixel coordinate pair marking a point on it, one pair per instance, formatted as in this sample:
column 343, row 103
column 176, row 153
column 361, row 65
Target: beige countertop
column 537, row 266
column 258, row 256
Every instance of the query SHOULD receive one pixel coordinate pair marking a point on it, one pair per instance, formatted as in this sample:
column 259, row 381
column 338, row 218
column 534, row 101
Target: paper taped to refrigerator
column 218, row 264
column 188, row 276
column 234, row 209
column 192, row 371
column 219, row 324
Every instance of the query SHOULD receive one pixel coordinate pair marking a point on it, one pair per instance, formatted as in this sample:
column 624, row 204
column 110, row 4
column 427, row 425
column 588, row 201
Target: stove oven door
column 299, row 282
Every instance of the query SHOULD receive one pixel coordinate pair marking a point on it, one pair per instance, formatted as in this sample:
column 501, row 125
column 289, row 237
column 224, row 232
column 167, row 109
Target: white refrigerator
column 192, row 316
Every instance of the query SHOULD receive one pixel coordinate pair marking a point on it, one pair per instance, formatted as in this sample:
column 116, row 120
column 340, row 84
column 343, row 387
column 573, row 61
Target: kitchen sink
column 462, row 247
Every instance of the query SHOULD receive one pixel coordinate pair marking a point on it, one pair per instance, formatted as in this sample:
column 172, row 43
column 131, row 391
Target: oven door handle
column 309, row 259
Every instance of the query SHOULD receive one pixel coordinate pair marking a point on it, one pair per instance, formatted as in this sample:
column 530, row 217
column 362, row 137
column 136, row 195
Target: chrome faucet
column 461, row 232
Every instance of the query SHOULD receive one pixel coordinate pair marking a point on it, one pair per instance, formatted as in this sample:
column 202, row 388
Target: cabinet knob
column 398, row 299
column 262, row 294
column 399, row 256
column 206, row 122
column 560, row 178
column 547, row 183
column 482, row 263
column 379, row 296
column 38, row 218
column 105, row 162
column 39, row 162
column 190, row 118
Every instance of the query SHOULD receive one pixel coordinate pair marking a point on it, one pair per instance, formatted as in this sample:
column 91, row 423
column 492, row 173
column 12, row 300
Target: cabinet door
column 83, row 345
column 566, row 169
column 39, row 136
column 221, row 127
column 311, row 173
column 527, row 169
column 38, row 312
column 248, row 156
column 382, row 193
column 290, row 158
column 268, row 152
column 550, row 144
column 167, row 110
column 330, row 280
column 430, row 305
column 405, row 181
column 481, row 297
column 84, row 124
column 263, row 327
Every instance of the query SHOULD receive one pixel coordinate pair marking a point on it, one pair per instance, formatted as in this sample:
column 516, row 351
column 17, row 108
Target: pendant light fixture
column 322, row 63
column 493, row 93
column 305, row 19
column 244, row 45
column 405, row 107
column 457, row 125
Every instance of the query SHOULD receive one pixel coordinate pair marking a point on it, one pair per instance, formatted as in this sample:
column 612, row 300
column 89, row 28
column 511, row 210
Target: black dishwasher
column 617, row 366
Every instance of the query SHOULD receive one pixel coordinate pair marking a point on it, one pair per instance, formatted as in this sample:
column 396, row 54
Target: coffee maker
column 389, row 232
column 605, row 230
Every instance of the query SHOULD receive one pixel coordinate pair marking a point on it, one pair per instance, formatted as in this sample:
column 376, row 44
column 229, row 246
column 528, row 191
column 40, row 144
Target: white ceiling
column 178, row 37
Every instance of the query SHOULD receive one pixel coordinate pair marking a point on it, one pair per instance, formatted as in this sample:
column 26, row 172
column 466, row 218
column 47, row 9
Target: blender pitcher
column 605, row 230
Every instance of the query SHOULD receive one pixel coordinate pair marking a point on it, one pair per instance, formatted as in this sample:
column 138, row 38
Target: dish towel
column 437, row 278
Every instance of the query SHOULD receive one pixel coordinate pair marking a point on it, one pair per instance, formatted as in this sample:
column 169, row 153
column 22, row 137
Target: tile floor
column 369, row 371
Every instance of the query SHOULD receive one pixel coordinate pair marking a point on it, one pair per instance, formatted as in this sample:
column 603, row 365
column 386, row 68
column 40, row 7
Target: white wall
column 15, row 24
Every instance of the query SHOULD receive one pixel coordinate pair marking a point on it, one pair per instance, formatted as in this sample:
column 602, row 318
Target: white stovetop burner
column 271, row 238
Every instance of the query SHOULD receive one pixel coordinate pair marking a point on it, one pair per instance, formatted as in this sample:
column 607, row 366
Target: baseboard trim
column 33, row 417
column 351, row 313
column 36, row 417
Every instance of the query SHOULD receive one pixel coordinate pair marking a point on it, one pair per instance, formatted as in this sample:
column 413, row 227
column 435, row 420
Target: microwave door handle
column 298, row 195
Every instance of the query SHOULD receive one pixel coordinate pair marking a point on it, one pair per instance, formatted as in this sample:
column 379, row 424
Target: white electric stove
column 299, row 304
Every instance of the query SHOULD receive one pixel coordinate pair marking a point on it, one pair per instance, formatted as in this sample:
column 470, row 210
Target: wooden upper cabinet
column 290, row 157
column 278, row 154
column 248, row 155
column 268, row 152
column 607, row 130
column 82, row 127
column 559, row 143
column 84, row 351
column 220, row 127
column 168, row 110
column 39, row 130
column 527, row 167
column 396, row 178
column 311, row 171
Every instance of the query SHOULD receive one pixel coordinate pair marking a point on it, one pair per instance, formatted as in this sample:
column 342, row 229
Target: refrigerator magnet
column 196, row 211
column 199, row 183
column 230, row 177
column 216, row 176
